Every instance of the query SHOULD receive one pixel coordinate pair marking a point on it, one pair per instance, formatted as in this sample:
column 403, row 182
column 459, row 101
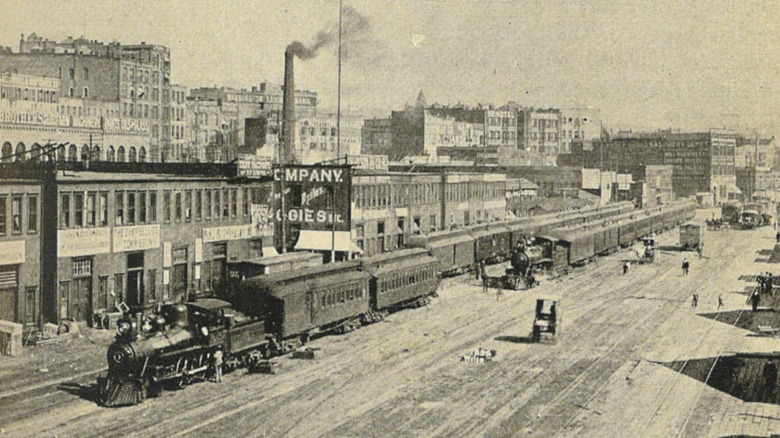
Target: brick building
column 132, row 233
column 701, row 162
column 388, row 207
column 136, row 77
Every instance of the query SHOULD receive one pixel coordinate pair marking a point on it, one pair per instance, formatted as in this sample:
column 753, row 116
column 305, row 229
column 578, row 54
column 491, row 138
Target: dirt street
column 403, row 376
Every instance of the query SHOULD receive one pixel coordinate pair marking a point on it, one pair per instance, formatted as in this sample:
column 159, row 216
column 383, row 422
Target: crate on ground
column 306, row 353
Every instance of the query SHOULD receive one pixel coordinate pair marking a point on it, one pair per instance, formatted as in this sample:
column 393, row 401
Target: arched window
column 84, row 153
column 8, row 150
column 21, row 154
column 73, row 153
column 332, row 132
column 110, row 155
column 142, row 155
column 120, row 154
column 35, row 152
column 61, row 153
column 132, row 155
column 95, row 153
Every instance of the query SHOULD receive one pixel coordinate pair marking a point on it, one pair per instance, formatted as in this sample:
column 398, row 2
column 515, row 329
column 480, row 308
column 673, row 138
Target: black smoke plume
column 356, row 39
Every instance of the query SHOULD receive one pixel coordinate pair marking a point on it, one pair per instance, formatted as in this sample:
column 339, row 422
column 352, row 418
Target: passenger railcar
column 405, row 278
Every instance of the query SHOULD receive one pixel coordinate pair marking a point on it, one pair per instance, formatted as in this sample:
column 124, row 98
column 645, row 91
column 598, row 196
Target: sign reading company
column 316, row 199
column 235, row 232
column 83, row 242
column 11, row 253
column 136, row 238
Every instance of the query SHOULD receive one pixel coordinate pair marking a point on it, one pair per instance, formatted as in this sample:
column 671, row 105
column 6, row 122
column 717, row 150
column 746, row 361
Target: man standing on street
column 685, row 266
column 625, row 268
column 218, row 366
column 754, row 299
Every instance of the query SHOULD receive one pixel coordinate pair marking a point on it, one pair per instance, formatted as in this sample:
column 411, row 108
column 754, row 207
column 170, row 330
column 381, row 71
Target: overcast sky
column 645, row 64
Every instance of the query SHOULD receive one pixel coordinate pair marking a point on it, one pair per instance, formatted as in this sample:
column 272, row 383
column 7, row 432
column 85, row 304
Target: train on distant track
column 269, row 315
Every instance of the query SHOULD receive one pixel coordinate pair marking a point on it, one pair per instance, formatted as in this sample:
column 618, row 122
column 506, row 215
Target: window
column 151, row 278
column 70, row 91
column 142, row 207
column 91, row 210
column 120, row 208
column 2, row 215
column 82, row 268
column 16, row 214
column 103, row 209
column 86, row 92
column 188, row 205
column 233, row 202
column 64, row 210
column 208, row 204
column 177, row 216
column 78, row 209
column 72, row 73
column 198, row 203
column 131, row 207
column 167, row 206
column 225, row 203
column 153, row 207
column 245, row 199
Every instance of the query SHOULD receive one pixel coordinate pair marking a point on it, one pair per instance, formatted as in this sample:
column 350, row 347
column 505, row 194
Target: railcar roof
column 281, row 258
column 331, row 268
column 208, row 303
column 404, row 264
column 394, row 255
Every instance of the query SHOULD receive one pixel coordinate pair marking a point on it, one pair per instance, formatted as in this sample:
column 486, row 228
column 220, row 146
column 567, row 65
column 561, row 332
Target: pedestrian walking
column 498, row 293
column 770, row 380
column 218, row 366
column 777, row 237
column 685, row 266
column 769, row 283
column 625, row 268
column 720, row 301
column 484, row 285
column 695, row 300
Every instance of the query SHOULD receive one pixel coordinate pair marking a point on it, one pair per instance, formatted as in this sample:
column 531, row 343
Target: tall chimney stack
column 288, row 110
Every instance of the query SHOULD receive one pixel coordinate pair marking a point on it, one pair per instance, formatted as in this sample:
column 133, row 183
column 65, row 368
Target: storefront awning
column 317, row 240
column 269, row 251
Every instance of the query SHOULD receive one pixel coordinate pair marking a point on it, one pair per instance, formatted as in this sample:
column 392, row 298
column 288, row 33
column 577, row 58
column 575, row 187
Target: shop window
column 82, row 268
column 188, row 205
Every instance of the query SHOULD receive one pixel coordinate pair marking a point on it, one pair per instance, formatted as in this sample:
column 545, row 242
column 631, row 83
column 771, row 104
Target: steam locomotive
column 273, row 314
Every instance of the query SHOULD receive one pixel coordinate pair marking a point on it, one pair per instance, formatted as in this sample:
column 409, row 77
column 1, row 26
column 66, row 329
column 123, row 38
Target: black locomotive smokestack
column 288, row 110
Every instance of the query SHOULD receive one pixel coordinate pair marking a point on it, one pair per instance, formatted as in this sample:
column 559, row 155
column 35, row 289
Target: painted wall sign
column 235, row 232
column 12, row 252
column 136, row 238
column 83, row 242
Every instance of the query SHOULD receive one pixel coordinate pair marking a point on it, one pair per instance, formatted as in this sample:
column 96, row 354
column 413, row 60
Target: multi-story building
column 755, row 152
column 220, row 126
column 77, row 243
column 388, row 207
column 178, row 136
column 377, row 136
column 317, row 138
column 579, row 124
column 701, row 162
column 33, row 114
column 137, row 77
column 539, row 135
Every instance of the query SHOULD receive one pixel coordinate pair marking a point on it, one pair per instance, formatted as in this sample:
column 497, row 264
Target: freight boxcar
column 453, row 249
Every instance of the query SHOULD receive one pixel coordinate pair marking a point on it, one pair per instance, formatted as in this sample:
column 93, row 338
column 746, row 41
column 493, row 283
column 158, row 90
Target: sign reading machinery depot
column 316, row 201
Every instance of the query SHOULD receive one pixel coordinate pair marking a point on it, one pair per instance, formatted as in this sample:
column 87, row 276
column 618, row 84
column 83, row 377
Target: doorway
column 135, row 279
